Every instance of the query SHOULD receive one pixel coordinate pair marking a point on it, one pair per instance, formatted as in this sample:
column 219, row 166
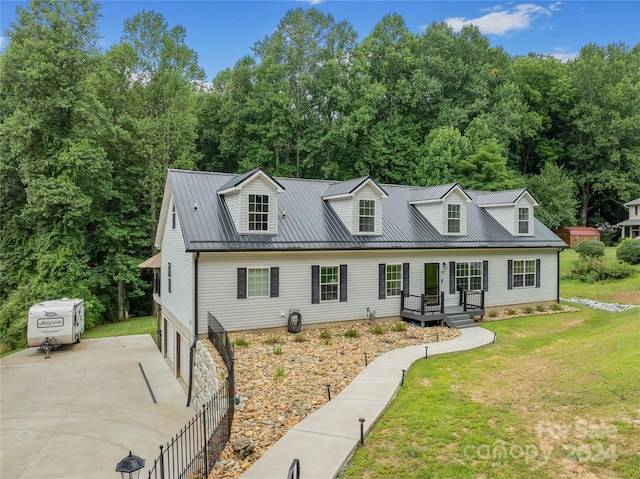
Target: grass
column 563, row 386
column 626, row 290
column 142, row 325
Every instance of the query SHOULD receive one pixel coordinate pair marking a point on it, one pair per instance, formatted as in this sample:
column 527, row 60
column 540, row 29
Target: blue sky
column 224, row 31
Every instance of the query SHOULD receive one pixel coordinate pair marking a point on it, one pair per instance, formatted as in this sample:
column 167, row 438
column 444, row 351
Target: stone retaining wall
column 205, row 377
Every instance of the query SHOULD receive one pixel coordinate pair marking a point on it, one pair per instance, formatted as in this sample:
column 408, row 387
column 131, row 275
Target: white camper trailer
column 60, row 320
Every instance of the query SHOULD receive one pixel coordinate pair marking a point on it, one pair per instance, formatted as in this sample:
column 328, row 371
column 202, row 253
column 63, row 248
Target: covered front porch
column 431, row 310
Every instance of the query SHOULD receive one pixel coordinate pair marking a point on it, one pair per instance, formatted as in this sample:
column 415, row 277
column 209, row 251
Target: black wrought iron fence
column 193, row 452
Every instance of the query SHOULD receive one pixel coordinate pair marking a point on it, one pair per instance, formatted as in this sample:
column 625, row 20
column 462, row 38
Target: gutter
column 558, row 273
column 195, row 325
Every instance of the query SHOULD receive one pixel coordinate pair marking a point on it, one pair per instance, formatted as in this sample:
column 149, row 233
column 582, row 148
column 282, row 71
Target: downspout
column 558, row 273
column 195, row 325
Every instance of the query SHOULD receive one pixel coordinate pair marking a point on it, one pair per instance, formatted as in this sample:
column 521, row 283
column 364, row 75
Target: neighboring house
column 572, row 235
column 631, row 227
column 250, row 248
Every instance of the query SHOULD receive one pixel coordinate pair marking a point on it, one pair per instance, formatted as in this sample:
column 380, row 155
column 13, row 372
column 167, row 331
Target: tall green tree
column 52, row 143
column 603, row 114
column 556, row 194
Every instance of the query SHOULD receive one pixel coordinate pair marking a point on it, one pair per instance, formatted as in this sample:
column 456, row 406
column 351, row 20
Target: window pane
column 475, row 269
column 475, row 283
column 530, row 266
column 517, row 281
column 258, row 212
column 518, row 267
column 367, row 217
column 257, row 282
column 394, row 279
column 328, row 283
column 529, row 279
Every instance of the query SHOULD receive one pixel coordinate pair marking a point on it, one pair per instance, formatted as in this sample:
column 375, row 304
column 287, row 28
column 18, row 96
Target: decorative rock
column 243, row 447
column 611, row 307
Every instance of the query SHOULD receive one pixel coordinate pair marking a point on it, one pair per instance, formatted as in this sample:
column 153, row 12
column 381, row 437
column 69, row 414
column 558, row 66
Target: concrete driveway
column 78, row 413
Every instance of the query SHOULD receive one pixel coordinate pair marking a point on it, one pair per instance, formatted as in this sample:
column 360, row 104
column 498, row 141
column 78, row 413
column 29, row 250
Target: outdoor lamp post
column 129, row 467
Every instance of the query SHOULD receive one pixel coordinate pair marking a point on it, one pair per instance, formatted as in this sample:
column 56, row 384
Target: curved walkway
column 325, row 440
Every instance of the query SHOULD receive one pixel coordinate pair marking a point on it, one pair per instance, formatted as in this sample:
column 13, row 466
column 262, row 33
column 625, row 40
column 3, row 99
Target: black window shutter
column 452, row 277
column 315, row 284
column 510, row 274
column 537, row 273
column 405, row 279
column 242, row 283
column 485, row 276
column 274, row 279
column 343, row 282
column 382, row 281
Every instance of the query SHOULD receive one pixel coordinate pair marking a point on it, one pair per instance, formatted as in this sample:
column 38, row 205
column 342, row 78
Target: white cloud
column 502, row 21
column 311, row 2
column 3, row 42
column 563, row 56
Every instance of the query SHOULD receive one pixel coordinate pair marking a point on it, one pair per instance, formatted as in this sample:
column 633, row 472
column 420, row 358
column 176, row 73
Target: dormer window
column 453, row 218
column 258, row 212
column 367, row 217
column 523, row 221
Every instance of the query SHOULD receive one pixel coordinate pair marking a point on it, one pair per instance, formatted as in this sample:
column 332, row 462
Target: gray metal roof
column 633, row 202
column 488, row 198
column 429, row 193
column 310, row 222
column 239, row 179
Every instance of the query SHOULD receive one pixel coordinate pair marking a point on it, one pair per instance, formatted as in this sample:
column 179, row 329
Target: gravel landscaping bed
column 282, row 377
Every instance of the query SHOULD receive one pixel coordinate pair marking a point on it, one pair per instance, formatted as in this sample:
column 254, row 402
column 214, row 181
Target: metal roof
column 429, row 193
column 508, row 197
column 310, row 223
column 586, row 230
column 239, row 179
column 633, row 202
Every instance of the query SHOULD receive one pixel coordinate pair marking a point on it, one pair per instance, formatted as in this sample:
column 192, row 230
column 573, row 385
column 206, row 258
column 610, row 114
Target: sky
column 222, row 32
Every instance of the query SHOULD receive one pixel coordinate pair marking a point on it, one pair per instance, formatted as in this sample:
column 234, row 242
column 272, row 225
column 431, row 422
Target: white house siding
column 344, row 210
column 433, row 213
column 218, row 284
column 232, row 201
column 179, row 302
column 258, row 187
column 505, row 216
column 366, row 193
column 185, row 364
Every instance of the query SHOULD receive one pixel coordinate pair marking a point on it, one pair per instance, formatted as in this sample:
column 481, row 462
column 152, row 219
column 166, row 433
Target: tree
column 52, row 139
column 556, row 193
column 445, row 148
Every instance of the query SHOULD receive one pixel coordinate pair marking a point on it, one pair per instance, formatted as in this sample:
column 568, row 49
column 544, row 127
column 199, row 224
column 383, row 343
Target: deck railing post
column 442, row 302
column 401, row 300
column 422, row 304
column 464, row 299
column 482, row 299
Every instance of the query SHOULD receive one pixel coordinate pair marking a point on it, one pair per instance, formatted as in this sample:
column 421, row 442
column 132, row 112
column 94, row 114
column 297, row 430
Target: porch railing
column 472, row 300
column 424, row 303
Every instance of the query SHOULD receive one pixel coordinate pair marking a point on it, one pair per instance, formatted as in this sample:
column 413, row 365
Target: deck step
column 460, row 321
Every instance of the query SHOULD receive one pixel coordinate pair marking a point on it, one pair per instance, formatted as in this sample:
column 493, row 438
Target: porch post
column 442, row 302
column 422, row 304
column 401, row 300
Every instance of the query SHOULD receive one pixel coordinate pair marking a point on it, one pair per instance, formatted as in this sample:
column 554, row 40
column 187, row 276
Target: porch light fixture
column 129, row 467
column 444, row 266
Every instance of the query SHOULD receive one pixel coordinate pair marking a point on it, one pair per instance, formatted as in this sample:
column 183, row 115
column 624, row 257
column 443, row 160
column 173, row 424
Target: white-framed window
column 367, row 216
column 453, row 218
column 523, row 221
column 168, row 277
column 257, row 282
column 394, row 279
column 258, row 212
column 469, row 275
column 329, row 283
column 524, row 273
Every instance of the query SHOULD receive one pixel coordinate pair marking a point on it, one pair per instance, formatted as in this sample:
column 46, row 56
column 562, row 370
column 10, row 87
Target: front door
column 432, row 280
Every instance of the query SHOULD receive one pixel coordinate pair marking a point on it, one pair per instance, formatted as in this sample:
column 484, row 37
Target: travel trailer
column 57, row 322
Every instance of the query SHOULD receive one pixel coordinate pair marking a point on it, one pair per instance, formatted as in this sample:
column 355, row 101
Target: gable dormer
column 252, row 202
column 358, row 204
column 444, row 206
column 513, row 209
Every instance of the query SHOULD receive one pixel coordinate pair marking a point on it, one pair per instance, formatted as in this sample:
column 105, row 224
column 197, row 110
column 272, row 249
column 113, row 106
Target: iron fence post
column 204, row 428
column 161, row 463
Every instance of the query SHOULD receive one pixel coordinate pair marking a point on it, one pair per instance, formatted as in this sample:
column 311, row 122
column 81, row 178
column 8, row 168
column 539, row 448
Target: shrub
column 277, row 350
column 241, row 341
column 511, row 312
column 400, row 326
column 541, row 307
column 300, row 338
column 325, row 334
column 377, row 329
column 273, row 340
column 493, row 313
column 590, row 249
column 351, row 333
column 629, row 251
column 527, row 309
column 599, row 269
column 555, row 307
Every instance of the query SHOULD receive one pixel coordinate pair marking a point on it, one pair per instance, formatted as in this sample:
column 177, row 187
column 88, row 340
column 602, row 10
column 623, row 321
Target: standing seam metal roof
column 311, row 224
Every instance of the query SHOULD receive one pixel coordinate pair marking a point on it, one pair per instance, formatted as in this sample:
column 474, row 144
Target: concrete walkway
column 78, row 413
column 325, row 440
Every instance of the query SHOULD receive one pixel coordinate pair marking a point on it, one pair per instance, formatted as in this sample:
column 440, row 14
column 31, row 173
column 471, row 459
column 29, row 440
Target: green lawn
column 143, row 325
column 556, row 396
column 625, row 290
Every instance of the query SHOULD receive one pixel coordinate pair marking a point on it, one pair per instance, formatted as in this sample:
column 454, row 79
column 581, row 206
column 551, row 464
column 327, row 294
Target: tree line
column 87, row 134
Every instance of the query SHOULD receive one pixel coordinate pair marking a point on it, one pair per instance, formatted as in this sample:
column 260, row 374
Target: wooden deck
column 430, row 310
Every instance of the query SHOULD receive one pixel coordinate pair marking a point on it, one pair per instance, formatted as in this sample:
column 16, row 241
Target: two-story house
column 631, row 228
column 249, row 249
